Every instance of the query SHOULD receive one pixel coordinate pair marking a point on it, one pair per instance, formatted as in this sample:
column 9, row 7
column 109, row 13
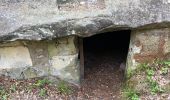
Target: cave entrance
column 102, row 56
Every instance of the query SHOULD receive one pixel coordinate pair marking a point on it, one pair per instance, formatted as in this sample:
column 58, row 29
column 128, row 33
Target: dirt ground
column 102, row 81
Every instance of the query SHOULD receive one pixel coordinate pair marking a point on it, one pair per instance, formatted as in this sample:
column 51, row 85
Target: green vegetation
column 139, row 68
column 149, row 70
column 42, row 83
column 131, row 94
column 13, row 88
column 165, row 68
column 153, row 85
column 43, row 92
column 63, row 88
column 3, row 93
column 4, row 97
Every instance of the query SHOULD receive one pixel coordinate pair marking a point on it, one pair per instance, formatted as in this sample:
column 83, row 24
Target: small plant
column 150, row 72
column 13, row 88
column 164, row 70
column 131, row 94
column 154, row 86
column 144, row 66
column 63, row 88
column 129, row 74
column 41, row 83
column 4, row 97
column 166, row 63
column 29, row 88
column 43, row 92
column 3, row 93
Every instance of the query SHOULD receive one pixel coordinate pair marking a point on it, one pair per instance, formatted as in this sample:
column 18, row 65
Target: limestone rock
column 47, row 19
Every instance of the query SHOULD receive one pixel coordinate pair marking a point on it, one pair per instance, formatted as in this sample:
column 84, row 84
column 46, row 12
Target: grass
column 63, row 88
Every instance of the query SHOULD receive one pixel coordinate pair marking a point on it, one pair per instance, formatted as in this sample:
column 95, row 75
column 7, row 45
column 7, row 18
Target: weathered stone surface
column 14, row 57
column 30, row 59
column 63, row 46
column 46, row 19
column 148, row 45
column 66, row 67
column 40, row 59
column 64, row 59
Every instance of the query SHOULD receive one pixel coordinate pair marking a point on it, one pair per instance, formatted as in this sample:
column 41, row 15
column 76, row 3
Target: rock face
column 44, row 33
column 46, row 19
column 147, row 46
column 29, row 59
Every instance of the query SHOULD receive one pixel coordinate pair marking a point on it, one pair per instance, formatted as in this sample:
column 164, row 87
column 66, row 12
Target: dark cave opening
column 111, row 45
column 103, row 54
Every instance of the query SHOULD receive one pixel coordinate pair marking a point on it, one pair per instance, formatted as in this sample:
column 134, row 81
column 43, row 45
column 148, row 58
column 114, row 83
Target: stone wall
column 148, row 45
column 59, row 57
column 30, row 59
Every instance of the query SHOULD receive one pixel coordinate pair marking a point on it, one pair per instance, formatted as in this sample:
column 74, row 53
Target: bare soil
column 103, row 80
